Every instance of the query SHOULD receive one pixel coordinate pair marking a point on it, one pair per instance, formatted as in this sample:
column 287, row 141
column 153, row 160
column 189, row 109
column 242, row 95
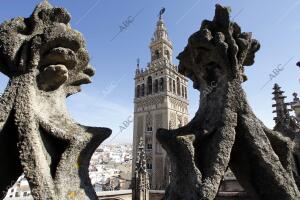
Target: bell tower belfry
column 161, row 47
column 161, row 101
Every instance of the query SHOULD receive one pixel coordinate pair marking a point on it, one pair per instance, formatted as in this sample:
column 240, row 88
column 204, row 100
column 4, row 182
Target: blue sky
column 108, row 101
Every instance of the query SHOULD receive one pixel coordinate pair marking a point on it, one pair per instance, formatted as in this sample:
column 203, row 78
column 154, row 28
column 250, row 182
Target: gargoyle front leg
column 256, row 165
column 217, row 155
column 283, row 147
column 7, row 100
column 192, row 128
column 185, row 177
column 179, row 145
column 30, row 144
column 83, row 144
column 11, row 168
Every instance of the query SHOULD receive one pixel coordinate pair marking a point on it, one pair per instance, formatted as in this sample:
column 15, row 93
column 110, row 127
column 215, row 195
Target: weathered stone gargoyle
column 46, row 61
column 225, row 132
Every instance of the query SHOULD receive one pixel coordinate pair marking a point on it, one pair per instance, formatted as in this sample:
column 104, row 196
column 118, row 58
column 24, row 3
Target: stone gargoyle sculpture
column 225, row 132
column 46, row 61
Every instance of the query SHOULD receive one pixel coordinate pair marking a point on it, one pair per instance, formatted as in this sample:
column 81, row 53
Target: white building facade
column 19, row 191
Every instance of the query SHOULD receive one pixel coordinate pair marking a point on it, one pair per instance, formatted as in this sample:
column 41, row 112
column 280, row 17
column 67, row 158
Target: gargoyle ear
column 14, row 34
column 11, row 41
column 59, row 15
column 255, row 46
column 222, row 15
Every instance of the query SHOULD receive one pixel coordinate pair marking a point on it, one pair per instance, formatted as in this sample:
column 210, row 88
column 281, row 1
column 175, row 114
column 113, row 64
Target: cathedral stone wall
column 140, row 126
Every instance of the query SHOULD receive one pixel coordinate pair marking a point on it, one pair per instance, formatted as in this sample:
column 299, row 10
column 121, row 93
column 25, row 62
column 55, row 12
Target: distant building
column 161, row 101
column 110, row 167
column 19, row 191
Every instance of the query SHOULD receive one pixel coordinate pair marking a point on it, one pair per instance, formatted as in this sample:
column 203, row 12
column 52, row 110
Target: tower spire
column 138, row 64
column 296, row 106
column 161, row 47
column 137, row 71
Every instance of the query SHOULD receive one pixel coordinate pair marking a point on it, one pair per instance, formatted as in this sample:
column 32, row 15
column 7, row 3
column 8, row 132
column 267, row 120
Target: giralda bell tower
column 161, row 101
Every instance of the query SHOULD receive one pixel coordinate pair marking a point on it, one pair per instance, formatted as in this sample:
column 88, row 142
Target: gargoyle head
column 46, row 60
column 45, row 45
column 218, row 51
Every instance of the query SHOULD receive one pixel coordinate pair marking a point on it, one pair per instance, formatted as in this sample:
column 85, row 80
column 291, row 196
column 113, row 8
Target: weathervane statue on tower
column 161, row 12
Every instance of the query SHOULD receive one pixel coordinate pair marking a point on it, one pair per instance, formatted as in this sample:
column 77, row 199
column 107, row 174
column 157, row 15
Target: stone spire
column 295, row 104
column 296, row 99
column 141, row 184
column 160, row 33
column 281, row 109
column 137, row 71
column 161, row 47
column 285, row 123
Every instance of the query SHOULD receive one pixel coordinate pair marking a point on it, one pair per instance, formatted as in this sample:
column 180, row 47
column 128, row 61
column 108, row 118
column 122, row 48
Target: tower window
column 170, row 84
column 174, row 87
column 167, row 54
column 156, row 86
column 143, row 90
column 149, row 85
column 149, row 165
column 149, row 146
column 157, row 54
column 178, row 87
column 161, row 84
column 182, row 93
column 185, row 92
column 138, row 88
